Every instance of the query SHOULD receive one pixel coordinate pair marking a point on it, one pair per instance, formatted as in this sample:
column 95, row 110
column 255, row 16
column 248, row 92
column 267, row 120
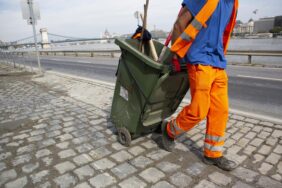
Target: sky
column 90, row 18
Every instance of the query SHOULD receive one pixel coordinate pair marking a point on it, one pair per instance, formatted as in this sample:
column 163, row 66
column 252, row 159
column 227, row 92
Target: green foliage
column 276, row 30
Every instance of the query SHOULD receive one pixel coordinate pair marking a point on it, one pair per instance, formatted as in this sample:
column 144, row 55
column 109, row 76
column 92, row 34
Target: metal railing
column 111, row 53
column 22, row 58
column 251, row 53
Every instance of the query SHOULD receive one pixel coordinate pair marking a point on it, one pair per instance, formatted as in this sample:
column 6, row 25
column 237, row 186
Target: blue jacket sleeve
column 194, row 6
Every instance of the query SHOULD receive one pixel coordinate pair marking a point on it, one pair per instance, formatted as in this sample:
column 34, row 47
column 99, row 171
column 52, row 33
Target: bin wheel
column 124, row 136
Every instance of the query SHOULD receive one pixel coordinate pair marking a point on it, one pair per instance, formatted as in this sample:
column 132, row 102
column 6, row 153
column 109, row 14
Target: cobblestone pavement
column 49, row 139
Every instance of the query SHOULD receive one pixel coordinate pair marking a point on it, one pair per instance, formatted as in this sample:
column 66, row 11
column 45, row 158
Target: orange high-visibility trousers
column 209, row 98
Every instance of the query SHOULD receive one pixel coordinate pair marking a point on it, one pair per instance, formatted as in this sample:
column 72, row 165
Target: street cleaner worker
column 200, row 37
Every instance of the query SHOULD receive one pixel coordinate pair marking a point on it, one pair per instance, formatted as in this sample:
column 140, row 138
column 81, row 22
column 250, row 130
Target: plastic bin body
column 146, row 92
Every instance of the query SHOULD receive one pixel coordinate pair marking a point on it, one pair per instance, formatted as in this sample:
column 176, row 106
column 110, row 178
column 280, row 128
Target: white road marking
column 262, row 78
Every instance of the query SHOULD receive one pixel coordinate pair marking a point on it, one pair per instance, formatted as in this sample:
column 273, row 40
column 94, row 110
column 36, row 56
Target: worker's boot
column 221, row 162
column 167, row 141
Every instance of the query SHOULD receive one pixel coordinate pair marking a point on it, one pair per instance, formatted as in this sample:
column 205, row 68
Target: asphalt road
column 256, row 90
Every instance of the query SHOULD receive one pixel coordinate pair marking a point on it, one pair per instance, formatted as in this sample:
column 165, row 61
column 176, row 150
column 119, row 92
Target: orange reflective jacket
column 184, row 42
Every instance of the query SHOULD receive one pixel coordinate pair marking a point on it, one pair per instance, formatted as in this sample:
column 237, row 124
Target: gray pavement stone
column 257, row 129
column 18, row 183
column 168, row 167
column 7, row 175
column 35, row 138
column 136, row 150
column 4, row 141
column 205, row 184
column 64, row 167
column 132, row 182
column 121, row 156
column 149, row 144
column 240, row 184
column 251, row 120
column 28, row 168
column 265, row 167
column 66, row 153
column 84, row 172
column 220, row 179
column 84, row 148
column 46, row 143
column 158, row 154
column 65, row 181
column 99, row 153
column 47, row 161
column 277, row 177
column 243, row 142
column 117, row 146
column 37, row 132
column 264, row 134
column 43, row 153
column 5, row 155
column 249, row 149
column 83, row 185
column 39, row 176
column 250, row 135
column 141, row 161
column 99, row 143
column 234, row 149
column 80, row 140
column 279, row 167
column 26, row 149
column 102, row 180
column 258, row 158
column 82, row 159
column 277, row 134
column 53, row 134
column 245, row 174
column 63, row 145
column 123, row 170
column 273, row 158
column 40, row 126
column 196, row 169
column 14, row 144
column 103, row 164
column 64, row 137
column 20, row 137
column 265, row 123
column 21, row 159
column 271, row 141
column 2, row 166
column 180, row 180
column 256, row 142
column 163, row 184
column 152, row 175
column 267, row 182
column 265, row 150
column 278, row 149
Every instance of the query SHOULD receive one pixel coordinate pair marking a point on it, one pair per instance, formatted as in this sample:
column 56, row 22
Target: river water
column 256, row 44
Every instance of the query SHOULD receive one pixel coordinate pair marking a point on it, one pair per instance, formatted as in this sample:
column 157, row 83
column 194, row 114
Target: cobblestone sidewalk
column 50, row 139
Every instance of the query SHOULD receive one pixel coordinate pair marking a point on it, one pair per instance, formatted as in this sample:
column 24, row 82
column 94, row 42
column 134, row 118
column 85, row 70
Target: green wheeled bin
column 146, row 91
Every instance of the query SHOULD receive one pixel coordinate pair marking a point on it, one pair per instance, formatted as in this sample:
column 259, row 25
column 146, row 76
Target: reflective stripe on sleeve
column 213, row 148
column 195, row 23
column 215, row 138
column 185, row 37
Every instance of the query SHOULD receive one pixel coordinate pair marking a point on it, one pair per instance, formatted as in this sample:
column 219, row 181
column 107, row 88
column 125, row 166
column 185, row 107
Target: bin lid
column 125, row 44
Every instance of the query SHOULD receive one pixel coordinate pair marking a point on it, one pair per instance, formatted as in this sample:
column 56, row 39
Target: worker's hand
column 176, row 64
